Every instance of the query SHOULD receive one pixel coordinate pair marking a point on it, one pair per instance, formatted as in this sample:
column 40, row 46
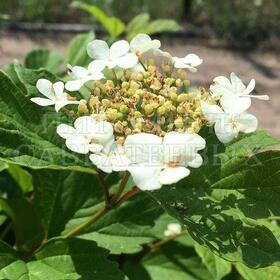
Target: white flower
column 235, row 96
column 113, row 160
column 117, row 55
column 55, row 94
column 227, row 123
column 143, row 43
column 87, row 135
column 190, row 62
column 157, row 161
column 173, row 229
column 80, row 76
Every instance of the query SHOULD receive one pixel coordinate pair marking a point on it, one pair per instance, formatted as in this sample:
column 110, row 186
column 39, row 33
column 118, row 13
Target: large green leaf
column 270, row 273
column 60, row 259
column 28, row 132
column 3, row 166
column 44, row 58
column 172, row 261
column 136, row 25
column 113, row 25
column 220, row 202
column 77, row 50
column 76, row 197
column 217, row 267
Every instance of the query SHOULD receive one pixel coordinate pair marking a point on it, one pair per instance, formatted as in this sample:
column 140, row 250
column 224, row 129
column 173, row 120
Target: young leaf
column 217, row 267
column 220, row 202
column 113, row 25
column 44, row 58
column 59, row 259
column 162, row 25
column 28, row 133
column 77, row 50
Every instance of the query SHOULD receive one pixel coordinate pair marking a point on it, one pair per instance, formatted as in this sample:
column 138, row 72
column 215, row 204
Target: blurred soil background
column 239, row 36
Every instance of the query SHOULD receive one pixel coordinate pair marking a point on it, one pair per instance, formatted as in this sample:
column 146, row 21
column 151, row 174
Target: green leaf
column 77, row 50
column 60, row 259
column 217, row 267
column 22, row 177
column 172, row 261
column 44, row 58
column 271, row 273
column 27, row 226
column 123, row 230
column 136, row 25
column 162, row 25
column 28, row 132
column 3, row 166
column 220, row 202
column 113, row 25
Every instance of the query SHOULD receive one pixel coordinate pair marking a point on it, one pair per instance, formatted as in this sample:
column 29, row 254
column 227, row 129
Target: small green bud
column 179, row 83
column 82, row 108
column 105, row 102
column 124, row 109
column 183, row 97
column 179, row 123
column 125, row 85
column 137, row 114
column 173, row 96
column 148, row 109
column 139, row 77
column 169, row 81
column 134, row 85
column 161, row 110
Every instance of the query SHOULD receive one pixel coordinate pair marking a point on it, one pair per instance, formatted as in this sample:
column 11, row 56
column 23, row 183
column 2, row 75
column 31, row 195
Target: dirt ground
column 264, row 66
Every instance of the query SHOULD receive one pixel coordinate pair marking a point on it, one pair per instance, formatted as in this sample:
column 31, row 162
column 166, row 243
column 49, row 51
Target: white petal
column 119, row 49
column 102, row 162
column 225, row 131
column 138, row 41
column 237, row 84
column 63, row 103
column 85, row 125
column 221, row 86
column 78, row 72
column 145, row 177
column 250, row 87
column 97, row 65
column 74, row 85
column 42, row 101
column 129, row 60
column 66, row 131
column 193, row 60
column 197, row 162
column 233, row 104
column 77, row 144
column 58, row 88
column 248, row 123
column 95, row 148
column 98, row 49
column 171, row 175
column 143, row 147
column 212, row 113
column 95, row 76
column 45, row 87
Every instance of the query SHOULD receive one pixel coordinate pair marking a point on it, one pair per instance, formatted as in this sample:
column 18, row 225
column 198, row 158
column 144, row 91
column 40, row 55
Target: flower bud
column 169, row 81
column 179, row 123
column 124, row 109
column 156, row 84
column 148, row 109
column 82, row 108
column 96, row 91
column 161, row 110
column 125, row 85
column 134, row 85
column 179, row 83
column 183, row 97
column 105, row 102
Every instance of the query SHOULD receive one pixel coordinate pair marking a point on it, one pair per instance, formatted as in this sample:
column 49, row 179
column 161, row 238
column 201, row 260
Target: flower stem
column 104, row 210
column 87, row 223
column 104, row 187
column 158, row 244
column 143, row 65
column 121, row 186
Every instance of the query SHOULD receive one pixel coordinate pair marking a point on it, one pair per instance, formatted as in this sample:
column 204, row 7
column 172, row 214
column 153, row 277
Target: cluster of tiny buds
column 153, row 101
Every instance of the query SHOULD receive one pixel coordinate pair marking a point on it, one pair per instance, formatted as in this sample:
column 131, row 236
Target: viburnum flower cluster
column 141, row 116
